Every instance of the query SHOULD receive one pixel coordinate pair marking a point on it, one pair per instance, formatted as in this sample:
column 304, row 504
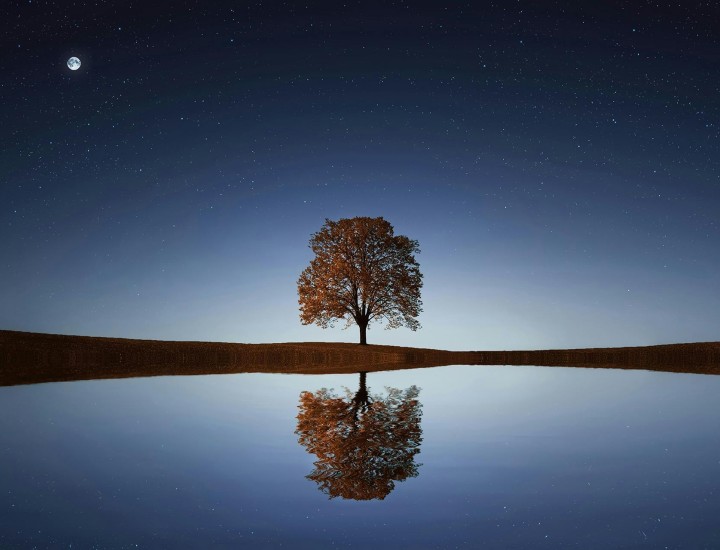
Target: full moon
column 73, row 63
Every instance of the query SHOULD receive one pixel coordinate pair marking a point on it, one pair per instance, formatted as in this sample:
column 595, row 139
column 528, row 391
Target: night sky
column 558, row 163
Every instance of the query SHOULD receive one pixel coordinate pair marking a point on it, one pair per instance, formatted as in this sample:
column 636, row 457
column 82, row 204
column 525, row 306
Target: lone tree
column 361, row 272
column 364, row 444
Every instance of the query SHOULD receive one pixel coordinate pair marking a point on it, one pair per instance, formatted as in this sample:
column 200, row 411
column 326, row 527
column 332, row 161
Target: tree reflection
column 364, row 443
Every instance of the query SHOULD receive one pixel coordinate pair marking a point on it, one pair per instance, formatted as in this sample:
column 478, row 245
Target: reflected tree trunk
column 361, row 401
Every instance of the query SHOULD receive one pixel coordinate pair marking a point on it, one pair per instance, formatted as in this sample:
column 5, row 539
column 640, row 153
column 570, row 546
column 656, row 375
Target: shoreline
column 32, row 358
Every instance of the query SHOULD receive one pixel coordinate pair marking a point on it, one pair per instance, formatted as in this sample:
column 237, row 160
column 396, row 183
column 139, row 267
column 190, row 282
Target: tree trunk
column 363, row 332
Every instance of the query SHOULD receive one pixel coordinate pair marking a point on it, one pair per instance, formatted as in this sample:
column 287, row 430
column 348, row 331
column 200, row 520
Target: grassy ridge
column 28, row 358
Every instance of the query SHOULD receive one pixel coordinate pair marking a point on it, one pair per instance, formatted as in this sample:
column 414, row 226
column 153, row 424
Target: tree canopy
column 362, row 272
column 363, row 444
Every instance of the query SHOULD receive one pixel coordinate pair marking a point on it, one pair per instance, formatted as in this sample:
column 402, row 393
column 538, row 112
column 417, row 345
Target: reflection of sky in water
column 511, row 457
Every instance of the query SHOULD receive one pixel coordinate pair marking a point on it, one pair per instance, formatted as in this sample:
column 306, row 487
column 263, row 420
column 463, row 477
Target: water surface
column 509, row 457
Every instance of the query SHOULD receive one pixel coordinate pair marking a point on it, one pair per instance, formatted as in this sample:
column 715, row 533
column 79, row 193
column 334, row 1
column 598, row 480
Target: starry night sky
column 557, row 162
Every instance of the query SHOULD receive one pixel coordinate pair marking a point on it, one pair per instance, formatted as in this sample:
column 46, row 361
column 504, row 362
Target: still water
column 446, row 457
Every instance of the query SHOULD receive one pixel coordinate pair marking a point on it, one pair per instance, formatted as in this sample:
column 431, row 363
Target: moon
column 73, row 63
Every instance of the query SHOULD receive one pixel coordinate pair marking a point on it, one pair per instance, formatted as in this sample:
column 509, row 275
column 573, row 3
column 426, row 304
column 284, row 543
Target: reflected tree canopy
column 364, row 443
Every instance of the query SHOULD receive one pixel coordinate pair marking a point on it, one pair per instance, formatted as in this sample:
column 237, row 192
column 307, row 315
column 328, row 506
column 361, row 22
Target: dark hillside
column 27, row 358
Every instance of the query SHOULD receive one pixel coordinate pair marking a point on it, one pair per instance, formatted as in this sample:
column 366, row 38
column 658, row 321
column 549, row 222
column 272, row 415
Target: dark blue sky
column 558, row 163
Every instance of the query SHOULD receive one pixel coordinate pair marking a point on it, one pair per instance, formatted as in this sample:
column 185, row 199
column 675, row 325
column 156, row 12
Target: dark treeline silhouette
column 28, row 358
column 364, row 443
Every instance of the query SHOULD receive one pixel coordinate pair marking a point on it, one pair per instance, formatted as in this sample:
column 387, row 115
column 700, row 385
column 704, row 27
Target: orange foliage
column 364, row 445
column 361, row 272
